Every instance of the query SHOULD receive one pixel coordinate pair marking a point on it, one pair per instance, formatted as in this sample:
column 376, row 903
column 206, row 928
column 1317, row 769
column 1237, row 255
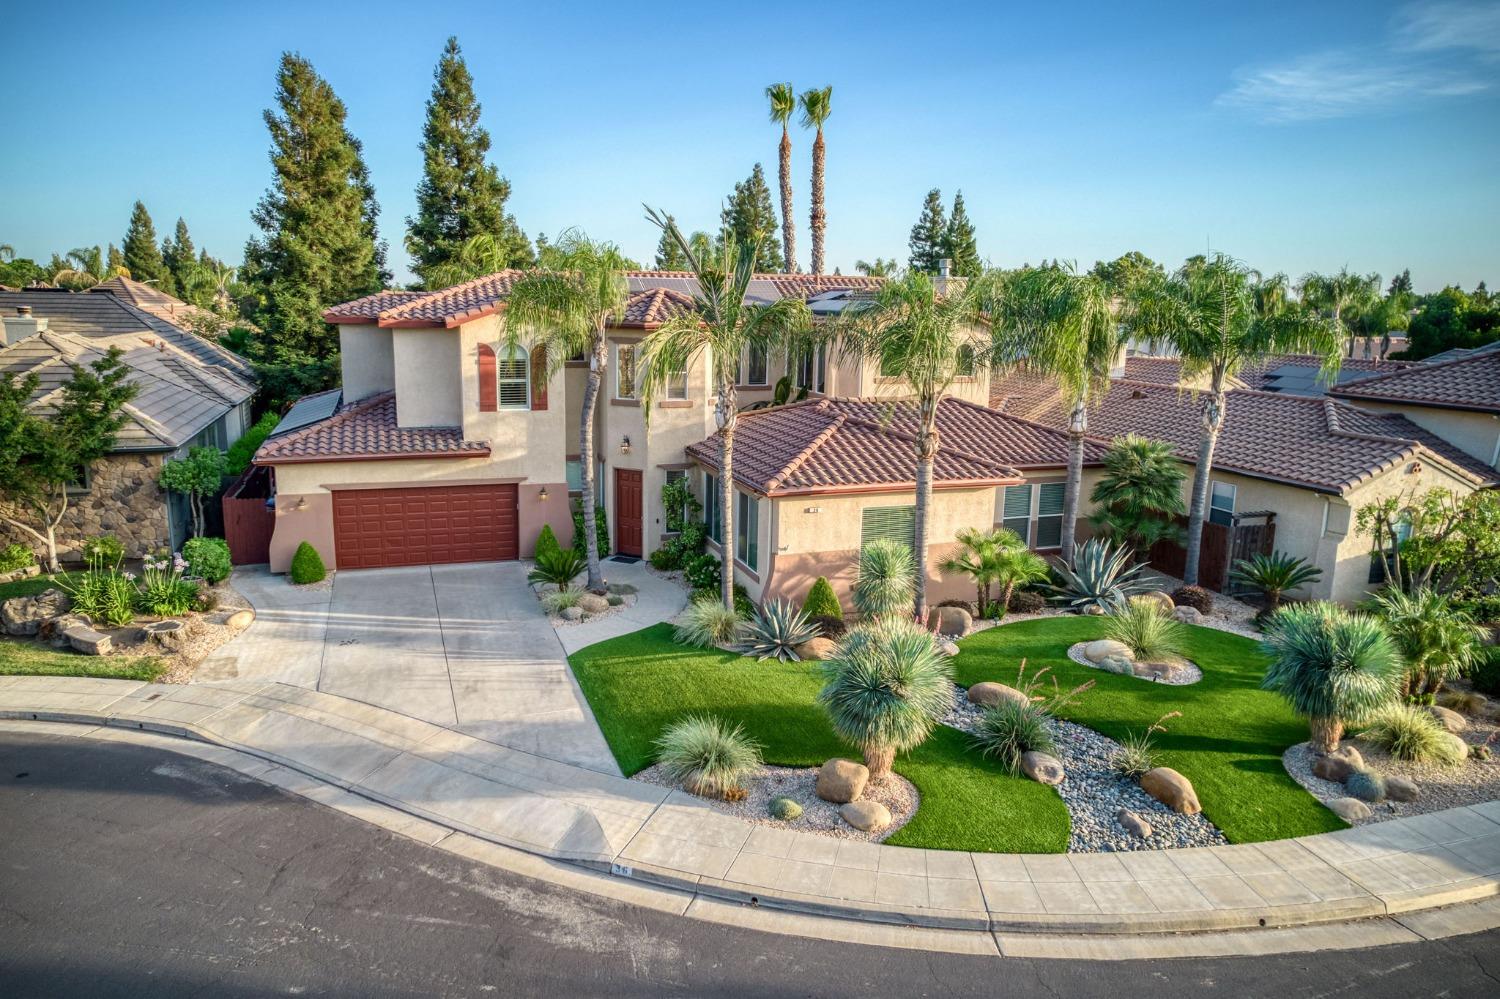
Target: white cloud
column 1440, row 26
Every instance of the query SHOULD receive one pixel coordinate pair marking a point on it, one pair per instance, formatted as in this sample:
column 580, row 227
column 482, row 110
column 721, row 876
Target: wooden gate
column 249, row 520
column 1222, row 546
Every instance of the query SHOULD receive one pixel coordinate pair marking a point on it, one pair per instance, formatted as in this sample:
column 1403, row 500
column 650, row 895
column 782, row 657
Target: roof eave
column 1421, row 403
column 404, row 456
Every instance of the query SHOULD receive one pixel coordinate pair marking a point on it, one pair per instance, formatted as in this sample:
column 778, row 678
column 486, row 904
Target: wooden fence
column 249, row 519
column 1223, row 545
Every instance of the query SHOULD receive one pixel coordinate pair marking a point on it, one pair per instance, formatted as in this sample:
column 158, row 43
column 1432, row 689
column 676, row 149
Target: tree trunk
column 1005, row 593
column 197, row 499
column 1325, row 734
column 927, row 445
column 879, row 760
column 53, row 565
column 1213, row 422
column 727, row 418
column 1078, row 426
column 819, row 220
column 788, row 224
column 598, row 359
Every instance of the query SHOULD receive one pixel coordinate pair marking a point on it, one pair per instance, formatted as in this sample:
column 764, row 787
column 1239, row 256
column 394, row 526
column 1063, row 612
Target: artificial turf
column 639, row 683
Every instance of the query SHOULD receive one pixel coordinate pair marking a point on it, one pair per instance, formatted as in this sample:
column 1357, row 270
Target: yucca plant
column 1409, row 732
column 1101, row 576
column 776, row 631
column 1145, row 628
column 887, row 686
column 886, row 581
column 708, row 755
column 1438, row 641
column 707, row 623
column 1274, row 575
column 557, row 566
column 1334, row 668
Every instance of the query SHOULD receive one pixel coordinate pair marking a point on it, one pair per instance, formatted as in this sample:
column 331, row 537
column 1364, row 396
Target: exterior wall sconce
column 542, row 495
column 625, row 445
column 302, row 503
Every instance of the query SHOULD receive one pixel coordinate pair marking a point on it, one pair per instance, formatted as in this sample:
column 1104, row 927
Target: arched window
column 513, row 375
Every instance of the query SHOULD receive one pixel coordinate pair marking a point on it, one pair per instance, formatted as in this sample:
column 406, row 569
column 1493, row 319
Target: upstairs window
column 624, row 371
column 677, row 383
column 513, row 376
column 755, row 369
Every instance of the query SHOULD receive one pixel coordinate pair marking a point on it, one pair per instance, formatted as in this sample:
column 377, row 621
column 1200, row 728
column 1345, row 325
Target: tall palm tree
column 783, row 103
column 1272, row 294
column 723, row 324
column 1336, row 294
column 86, row 268
column 567, row 308
column 879, row 267
column 1140, row 493
column 1064, row 323
column 815, row 110
column 1207, row 311
column 907, row 326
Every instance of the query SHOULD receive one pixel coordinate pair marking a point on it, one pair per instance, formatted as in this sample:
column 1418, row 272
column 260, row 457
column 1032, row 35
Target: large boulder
column 1448, row 718
column 866, row 816
column 571, row 613
column 1333, row 767
column 240, row 619
column 1188, row 615
column 1160, row 598
column 952, row 622
column 816, row 648
column 1171, row 789
column 1042, row 768
column 23, row 616
column 841, row 781
column 987, row 694
column 1116, row 664
column 1133, row 823
column 1401, row 789
column 1351, row 810
column 1107, row 648
column 54, row 631
column 1460, row 750
column 593, row 603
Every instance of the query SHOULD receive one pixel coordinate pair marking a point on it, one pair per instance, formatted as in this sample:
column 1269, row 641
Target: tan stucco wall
column 1477, row 434
column 366, row 360
column 528, row 445
column 302, row 517
column 427, row 378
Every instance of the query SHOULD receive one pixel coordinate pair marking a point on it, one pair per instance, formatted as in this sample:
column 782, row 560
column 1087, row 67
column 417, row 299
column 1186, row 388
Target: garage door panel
column 386, row 527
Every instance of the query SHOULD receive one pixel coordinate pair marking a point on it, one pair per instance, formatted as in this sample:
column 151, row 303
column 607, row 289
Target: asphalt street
column 134, row 872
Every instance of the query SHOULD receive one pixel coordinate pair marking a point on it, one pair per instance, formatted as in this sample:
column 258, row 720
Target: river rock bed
column 1178, row 673
column 1094, row 794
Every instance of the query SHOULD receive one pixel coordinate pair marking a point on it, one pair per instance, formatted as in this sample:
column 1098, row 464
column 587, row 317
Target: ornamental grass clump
column 707, row 623
column 887, row 579
column 1147, row 630
column 1137, row 752
column 1334, row 668
column 887, row 686
column 1409, row 732
column 708, row 756
column 1010, row 730
column 561, row 599
column 776, row 631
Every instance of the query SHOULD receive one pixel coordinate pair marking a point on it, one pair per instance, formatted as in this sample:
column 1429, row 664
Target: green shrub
column 1408, row 732
column 702, row 573
column 1026, row 602
column 706, row 755
column 601, row 531
column 887, row 579
column 106, row 550
column 307, row 565
column 679, row 549
column 1437, row 640
column 1274, row 574
column 557, row 566
column 1101, row 576
column 821, row 601
column 784, row 809
column 829, row 627
column 546, row 542
column 1366, row 785
column 664, row 560
column 16, row 556
column 1484, row 608
column 1487, row 671
column 776, row 632
column 743, row 605
column 1137, row 752
column 208, row 558
column 1144, row 627
column 237, row 459
column 1195, row 597
column 561, row 599
column 1011, row 729
column 707, row 623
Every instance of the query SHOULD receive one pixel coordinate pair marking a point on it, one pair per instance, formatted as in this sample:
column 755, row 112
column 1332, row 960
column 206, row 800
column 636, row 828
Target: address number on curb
column 622, row 870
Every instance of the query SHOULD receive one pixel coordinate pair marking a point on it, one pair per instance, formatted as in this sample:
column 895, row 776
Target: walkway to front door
column 628, row 526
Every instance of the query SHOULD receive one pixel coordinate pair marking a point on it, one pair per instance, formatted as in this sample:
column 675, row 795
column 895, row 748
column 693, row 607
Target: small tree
column 198, row 475
column 1436, row 538
column 1437, row 640
column 1274, row 575
column 1139, row 494
column 994, row 556
column 44, row 451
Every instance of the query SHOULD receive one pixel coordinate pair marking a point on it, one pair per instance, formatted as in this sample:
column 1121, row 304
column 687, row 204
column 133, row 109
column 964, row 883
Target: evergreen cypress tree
column 669, row 256
column 460, row 195
column 142, row 256
column 928, row 235
column 318, row 244
column 181, row 258
column 959, row 244
column 749, row 210
column 115, row 262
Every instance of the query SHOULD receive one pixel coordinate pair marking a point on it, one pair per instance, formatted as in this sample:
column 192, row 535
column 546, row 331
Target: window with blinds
column 513, row 376
column 713, row 523
column 1049, row 514
column 747, row 530
column 888, row 523
column 1017, row 513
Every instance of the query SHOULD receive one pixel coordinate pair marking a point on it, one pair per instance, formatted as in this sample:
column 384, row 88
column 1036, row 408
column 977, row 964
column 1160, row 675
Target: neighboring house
column 1293, row 374
column 191, row 392
column 155, row 302
column 1311, row 461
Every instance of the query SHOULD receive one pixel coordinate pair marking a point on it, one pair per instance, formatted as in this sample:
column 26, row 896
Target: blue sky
column 1294, row 136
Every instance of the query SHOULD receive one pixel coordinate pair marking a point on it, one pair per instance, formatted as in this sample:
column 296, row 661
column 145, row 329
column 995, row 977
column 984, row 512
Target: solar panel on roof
column 309, row 410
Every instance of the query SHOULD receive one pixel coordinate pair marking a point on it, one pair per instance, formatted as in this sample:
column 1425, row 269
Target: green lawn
column 637, row 684
column 28, row 587
column 25, row 657
column 1228, row 741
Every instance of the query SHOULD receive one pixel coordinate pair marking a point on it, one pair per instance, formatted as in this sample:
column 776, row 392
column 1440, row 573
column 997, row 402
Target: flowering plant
column 163, row 590
column 102, row 591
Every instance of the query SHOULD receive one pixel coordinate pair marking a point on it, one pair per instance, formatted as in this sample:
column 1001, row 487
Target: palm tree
column 783, row 103
column 879, row 267
column 1207, row 311
column 567, row 308
column 1272, row 294
column 482, row 253
column 1274, row 575
column 1334, row 668
column 1334, row 294
column 87, row 268
column 723, row 324
column 930, row 339
column 1140, row 493
column 994, row 556
column 815, row 110
column 1064, row 323
column 1438, row 640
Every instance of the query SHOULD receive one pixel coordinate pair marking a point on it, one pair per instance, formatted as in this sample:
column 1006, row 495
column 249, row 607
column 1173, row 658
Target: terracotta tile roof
column 1158, row 370
column 978, row 430
column 832, row 445
column 1260, row 375
column 366, row 430
column 647, row 309
column 1470, row 382
column 1310, row 441
column 369, row 308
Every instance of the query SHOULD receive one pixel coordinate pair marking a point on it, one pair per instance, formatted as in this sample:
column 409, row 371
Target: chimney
column 1117, row 366
column 20, row 326
column 945, row 271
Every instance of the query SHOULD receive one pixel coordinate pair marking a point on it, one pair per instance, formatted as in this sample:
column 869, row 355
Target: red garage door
column 380, row 527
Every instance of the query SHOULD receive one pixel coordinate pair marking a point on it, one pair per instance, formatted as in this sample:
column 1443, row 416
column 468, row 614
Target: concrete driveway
column 462, row 646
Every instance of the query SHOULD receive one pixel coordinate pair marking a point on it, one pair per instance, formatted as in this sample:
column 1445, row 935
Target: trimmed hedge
column 821, row 601
column 307, row 565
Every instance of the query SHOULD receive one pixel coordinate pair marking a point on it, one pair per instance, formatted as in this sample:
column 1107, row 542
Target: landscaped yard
column 25, row 657
column 1228, row 742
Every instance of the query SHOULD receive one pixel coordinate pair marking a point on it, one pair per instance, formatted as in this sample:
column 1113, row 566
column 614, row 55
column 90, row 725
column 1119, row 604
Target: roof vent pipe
column 945, row 268
column 23, row 310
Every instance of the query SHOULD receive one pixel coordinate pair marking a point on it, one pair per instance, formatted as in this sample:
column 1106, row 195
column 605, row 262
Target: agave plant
column 887, row 579
column 776, row 632
column 1101, row 576
column 1274, row 574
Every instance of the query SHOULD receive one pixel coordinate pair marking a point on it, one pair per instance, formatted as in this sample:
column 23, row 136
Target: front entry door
column 628, row 511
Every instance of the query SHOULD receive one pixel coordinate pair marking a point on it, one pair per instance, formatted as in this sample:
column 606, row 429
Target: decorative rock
column 1171, row 789
column 988, row 694
column 88, row 641
column 816, row 648
column 1116, row 664
column 841, row 781
column 1106, row 648
column 1188, row 615
column 24, row 615
column 784, row 809
column 1449, row 719
column 240, row 620
column 1094, row 610
column 1160, row 598
column 54, row 631
column 593, row 603
column 615, row 600
column 866, row 816
column 25, row 572
column 1133, row 823
column 571, row 613
column 952, row 622
column 1163, row 672
column 1334, row 767
column 1042, row 768
column 947, row 648
column 1460, row 748
column 1351, row 810
column 1401, row 789
column 1366, row 785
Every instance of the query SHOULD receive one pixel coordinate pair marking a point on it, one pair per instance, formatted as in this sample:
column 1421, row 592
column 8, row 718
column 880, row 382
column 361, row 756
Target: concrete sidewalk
column 454, row 781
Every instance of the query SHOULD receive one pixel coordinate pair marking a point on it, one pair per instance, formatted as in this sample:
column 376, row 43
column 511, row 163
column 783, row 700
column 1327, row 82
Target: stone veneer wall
column 124, row 499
